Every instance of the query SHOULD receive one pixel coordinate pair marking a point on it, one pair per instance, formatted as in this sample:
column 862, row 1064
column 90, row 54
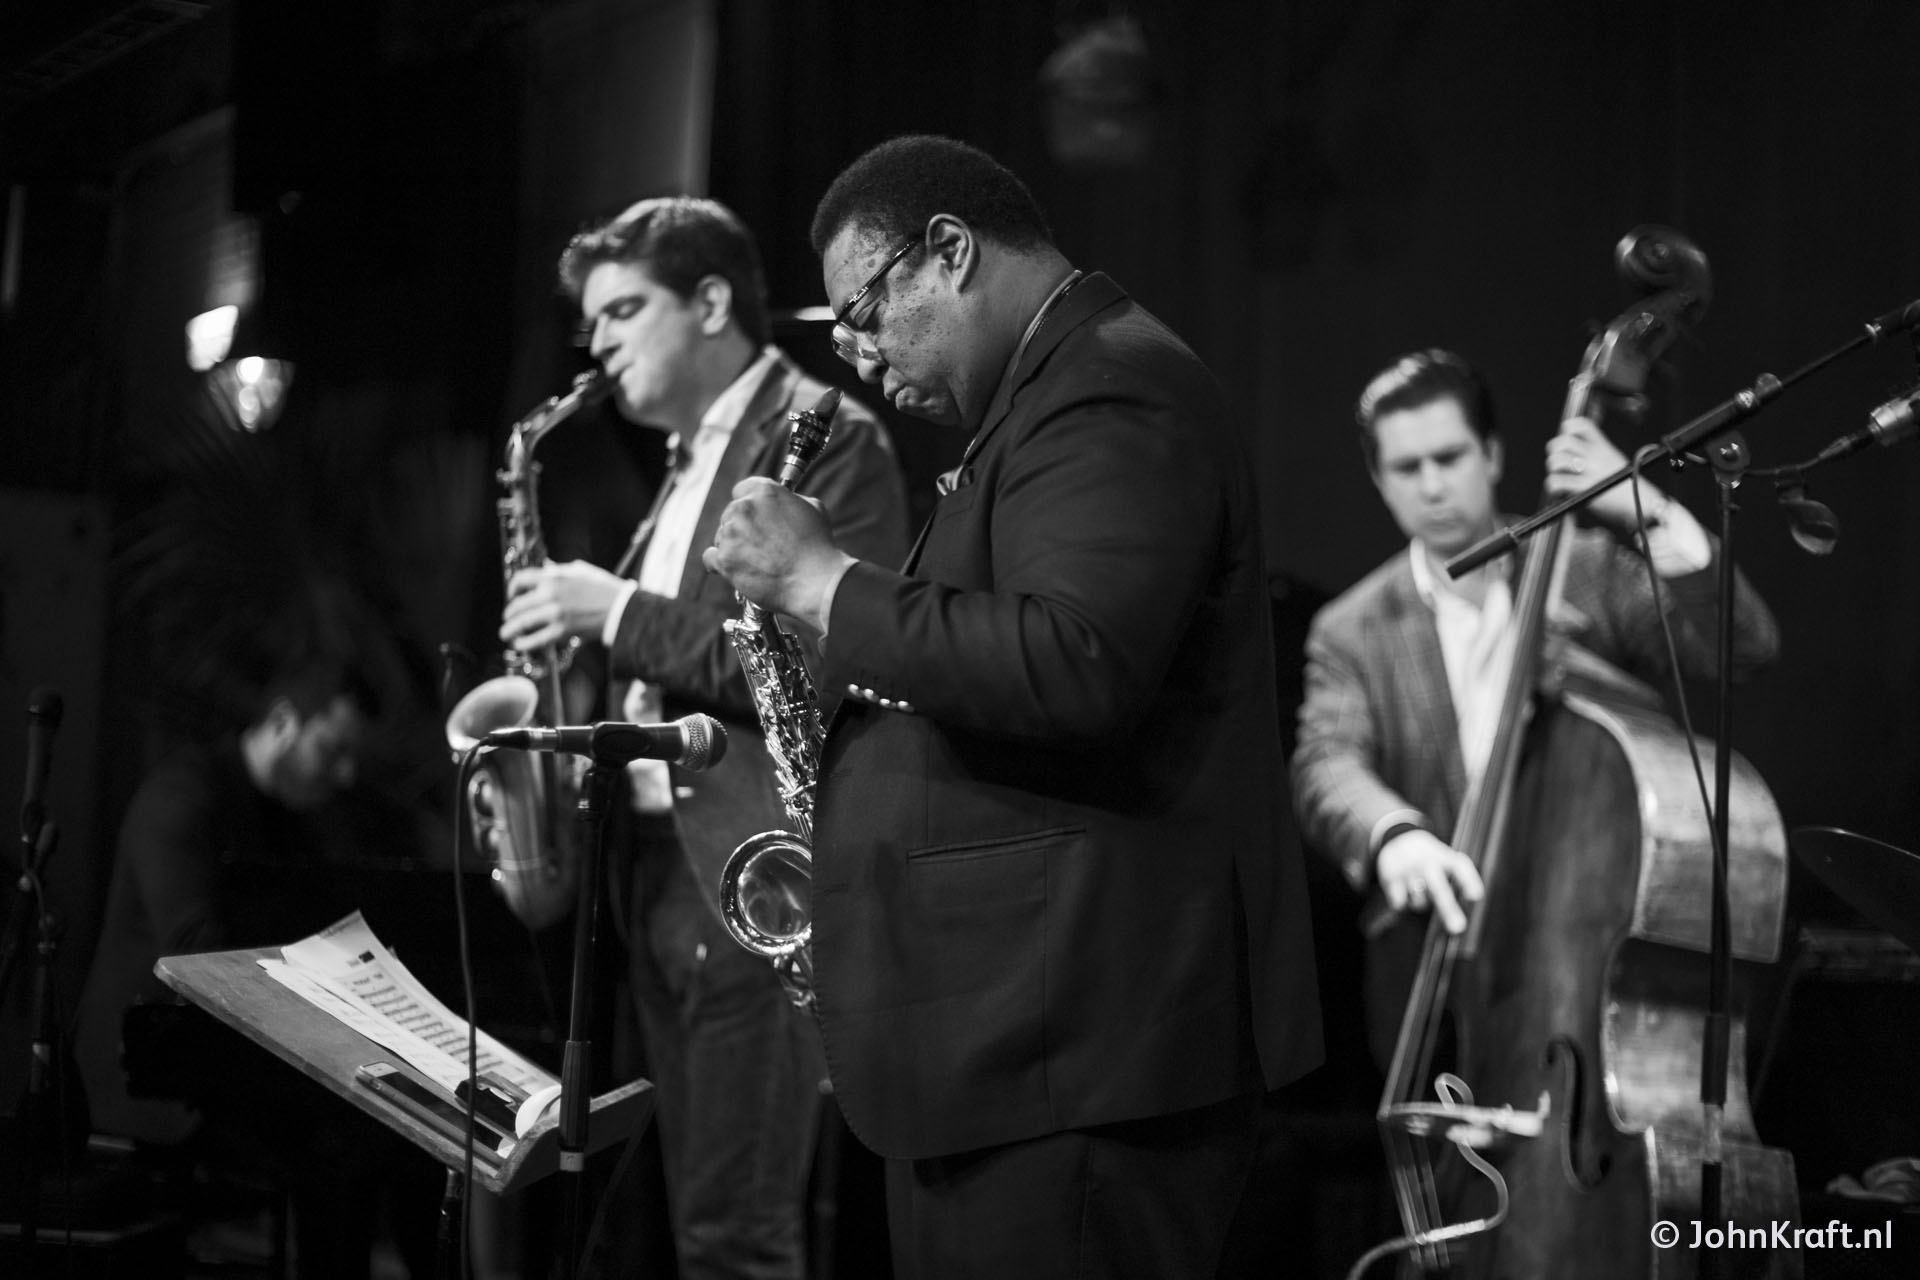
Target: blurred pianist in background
column 167, row 1078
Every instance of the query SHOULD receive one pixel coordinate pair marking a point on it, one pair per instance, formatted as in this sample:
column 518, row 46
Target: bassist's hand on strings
column 1417, row 870
column 1581, row 456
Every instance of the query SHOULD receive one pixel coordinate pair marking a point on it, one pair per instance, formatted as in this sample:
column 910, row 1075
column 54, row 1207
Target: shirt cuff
column 1388, row 821
column 826, row 599
column 1676, row 544
column 611, row 627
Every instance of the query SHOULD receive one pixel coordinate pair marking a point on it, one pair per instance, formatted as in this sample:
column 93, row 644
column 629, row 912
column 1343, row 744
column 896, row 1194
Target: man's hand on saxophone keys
column 776, row 549
column 551, row 603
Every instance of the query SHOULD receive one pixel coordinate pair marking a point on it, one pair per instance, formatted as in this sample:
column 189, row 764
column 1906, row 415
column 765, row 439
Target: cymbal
column 1879, row 880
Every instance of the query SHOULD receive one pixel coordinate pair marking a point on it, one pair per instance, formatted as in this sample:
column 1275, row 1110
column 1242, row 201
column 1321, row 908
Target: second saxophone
column 520, row 806
column 766, row 889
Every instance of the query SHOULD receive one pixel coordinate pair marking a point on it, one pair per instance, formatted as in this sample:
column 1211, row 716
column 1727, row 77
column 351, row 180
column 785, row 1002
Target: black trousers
column 1148, row 1198
column 736, row 1072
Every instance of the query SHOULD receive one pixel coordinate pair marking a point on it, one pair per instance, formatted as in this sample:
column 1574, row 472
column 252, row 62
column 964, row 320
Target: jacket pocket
column 978, row 912
column 997, row 846
column 982, row 907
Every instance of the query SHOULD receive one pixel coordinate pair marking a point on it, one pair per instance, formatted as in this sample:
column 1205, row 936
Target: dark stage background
column 1322, row 186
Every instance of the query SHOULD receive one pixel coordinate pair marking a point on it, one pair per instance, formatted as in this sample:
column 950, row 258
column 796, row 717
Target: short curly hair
column 1419, row 378
column 680, row 240
column 893, row 190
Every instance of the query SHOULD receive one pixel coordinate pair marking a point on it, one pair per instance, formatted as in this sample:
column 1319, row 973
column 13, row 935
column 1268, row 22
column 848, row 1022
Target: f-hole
column 1562, row 1053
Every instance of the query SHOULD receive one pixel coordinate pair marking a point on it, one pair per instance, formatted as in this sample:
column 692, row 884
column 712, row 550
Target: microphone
column 44, row 709
column 1894, row 421
column 693, row 742
column 1890, row 424
column 1894, row 321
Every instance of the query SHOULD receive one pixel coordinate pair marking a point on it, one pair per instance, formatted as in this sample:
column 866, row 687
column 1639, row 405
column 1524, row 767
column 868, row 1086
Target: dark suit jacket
column 1054, row 888
column 678, row 643
column 1377, row 727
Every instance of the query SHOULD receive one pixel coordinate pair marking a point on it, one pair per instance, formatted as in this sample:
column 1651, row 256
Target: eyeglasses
column 846, row 333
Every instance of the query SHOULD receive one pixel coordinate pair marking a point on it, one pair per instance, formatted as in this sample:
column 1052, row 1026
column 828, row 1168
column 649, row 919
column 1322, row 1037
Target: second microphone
column 692, row 742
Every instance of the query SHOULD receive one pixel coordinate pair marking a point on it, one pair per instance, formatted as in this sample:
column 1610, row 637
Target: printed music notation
column 346, row 971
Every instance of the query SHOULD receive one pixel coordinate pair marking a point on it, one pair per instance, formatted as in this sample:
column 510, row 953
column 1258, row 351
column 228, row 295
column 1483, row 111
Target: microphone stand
column 1814, row 526
column 576, row 1099
column 47, row 928
column 1729, row 460
column 35, row 848
column 1723, row 417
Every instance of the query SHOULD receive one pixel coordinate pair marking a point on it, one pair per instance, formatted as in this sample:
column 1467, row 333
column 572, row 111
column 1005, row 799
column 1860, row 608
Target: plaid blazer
column 1377, row 727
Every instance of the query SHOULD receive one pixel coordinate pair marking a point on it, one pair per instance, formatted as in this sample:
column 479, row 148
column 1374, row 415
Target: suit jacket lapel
column 913, row 553
column 1093, row 294
column 747, row 453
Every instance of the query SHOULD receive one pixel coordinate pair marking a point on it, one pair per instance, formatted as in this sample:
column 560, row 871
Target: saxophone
column 521, row 803
column 766, row 888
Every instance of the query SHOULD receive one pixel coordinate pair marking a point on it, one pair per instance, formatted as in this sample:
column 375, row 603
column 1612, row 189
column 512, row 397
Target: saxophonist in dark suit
column 672, row 299
column 1060, row 935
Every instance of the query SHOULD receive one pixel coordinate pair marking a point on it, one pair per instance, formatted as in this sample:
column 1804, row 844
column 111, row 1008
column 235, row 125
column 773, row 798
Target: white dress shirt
column 665, row 560
column 1476, row 642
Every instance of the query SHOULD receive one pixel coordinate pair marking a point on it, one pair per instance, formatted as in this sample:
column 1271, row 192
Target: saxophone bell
column 508, row 802
column 766, row 897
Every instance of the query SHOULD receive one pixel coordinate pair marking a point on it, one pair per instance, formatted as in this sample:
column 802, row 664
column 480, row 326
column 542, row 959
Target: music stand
column 233, row 987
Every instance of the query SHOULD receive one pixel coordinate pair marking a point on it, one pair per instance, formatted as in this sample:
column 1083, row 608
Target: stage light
column 253, row 388
column 250, row 382
column 238, row 344
column 210, row 337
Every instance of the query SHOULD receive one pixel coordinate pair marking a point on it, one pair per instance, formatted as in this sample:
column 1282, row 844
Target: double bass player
column 1405, row 670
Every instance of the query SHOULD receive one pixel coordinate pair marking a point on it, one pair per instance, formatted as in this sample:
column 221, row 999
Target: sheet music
column 348, row 972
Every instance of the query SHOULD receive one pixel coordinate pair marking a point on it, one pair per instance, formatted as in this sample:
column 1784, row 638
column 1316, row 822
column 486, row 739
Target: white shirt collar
column 1423, row 581
column 724, row 414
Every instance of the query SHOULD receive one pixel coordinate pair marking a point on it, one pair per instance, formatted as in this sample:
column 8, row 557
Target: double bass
column 1571, row 1012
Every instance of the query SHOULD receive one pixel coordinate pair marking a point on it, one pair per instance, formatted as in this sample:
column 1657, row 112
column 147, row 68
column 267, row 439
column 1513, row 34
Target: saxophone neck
column 588, row 388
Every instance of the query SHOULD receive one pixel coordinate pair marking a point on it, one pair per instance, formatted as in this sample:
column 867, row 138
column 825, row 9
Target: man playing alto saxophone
column 673, row 302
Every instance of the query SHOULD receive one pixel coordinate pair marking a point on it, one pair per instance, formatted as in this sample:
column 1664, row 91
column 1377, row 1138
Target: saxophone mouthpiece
column 827, row 406
column 807, row 439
